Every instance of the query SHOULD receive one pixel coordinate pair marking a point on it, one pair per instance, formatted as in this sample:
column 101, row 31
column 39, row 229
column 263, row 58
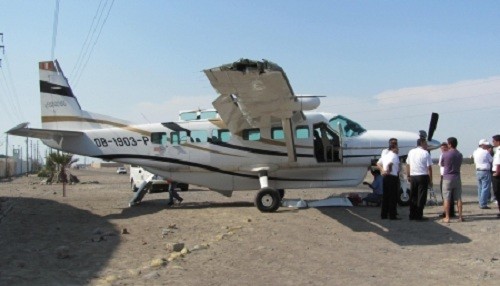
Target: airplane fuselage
column 196, row 152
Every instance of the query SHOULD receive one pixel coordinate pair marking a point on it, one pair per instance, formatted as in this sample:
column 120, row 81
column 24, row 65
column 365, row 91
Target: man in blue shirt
column 376, row 186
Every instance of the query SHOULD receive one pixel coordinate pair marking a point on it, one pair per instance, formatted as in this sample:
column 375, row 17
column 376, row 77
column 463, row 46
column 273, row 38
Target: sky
column 384, row 64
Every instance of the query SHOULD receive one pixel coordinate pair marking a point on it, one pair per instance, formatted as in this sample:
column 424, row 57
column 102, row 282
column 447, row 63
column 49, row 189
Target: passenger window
column 277, row 133
column 251, row 134
column 159, row 138
column 221, row 135
column 174, row 138
column 199, row 136
column 208, row 114
column 302, row 132
column 178, row 137
column 188, row 116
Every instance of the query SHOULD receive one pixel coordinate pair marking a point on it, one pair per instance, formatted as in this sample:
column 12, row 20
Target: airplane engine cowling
column 307, row 103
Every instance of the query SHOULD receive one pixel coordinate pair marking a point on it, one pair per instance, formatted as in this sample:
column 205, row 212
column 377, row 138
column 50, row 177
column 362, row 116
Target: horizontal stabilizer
column 23, row 130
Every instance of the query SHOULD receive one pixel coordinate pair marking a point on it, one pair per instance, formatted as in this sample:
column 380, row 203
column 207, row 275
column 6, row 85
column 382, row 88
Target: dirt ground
column 92, row 237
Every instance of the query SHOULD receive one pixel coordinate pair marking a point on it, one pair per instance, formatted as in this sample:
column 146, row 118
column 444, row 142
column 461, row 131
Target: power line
column 12, row 106
column 91, row 44
column 83, row 50
column 54, row 29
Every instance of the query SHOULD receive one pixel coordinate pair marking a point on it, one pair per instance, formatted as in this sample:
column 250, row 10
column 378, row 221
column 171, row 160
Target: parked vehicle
column 138, row 175
column 121, row 170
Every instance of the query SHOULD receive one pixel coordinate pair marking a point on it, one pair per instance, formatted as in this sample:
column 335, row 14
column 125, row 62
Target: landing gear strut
column 267, row 199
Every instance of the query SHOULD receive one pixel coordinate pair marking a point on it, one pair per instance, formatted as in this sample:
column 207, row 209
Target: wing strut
column 289, row 139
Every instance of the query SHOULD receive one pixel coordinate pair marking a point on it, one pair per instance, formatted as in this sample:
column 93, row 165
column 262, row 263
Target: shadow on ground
column 32, row 231
column 402, row 232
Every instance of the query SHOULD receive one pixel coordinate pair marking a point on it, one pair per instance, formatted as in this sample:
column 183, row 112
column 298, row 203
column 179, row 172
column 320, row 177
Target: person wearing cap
column 483, row 160
column 496, row 170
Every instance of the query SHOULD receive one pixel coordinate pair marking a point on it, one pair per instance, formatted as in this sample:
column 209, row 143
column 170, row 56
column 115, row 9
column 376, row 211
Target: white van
column 138, row 175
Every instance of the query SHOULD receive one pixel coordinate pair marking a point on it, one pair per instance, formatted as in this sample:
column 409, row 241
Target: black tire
column 184, row 187
column 282, row 193
column 402, row 200
column 267, row 200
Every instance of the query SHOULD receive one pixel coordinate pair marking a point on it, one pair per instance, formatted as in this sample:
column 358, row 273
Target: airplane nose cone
column 433, row 144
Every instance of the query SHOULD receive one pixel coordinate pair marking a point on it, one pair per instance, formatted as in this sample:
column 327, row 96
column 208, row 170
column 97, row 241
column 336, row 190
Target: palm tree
column 61, row 161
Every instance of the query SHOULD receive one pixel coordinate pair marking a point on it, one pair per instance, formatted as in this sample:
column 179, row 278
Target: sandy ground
column 47, row 239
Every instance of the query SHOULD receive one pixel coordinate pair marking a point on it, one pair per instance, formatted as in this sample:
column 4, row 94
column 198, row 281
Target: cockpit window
column 345, row 126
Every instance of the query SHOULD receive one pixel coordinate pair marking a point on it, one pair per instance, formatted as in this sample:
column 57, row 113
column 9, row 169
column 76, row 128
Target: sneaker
column 485, row 207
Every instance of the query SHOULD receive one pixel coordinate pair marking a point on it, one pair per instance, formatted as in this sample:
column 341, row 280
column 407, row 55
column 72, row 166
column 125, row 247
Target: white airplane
column 262, row 136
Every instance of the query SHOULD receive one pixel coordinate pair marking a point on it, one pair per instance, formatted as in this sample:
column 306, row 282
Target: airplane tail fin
column 60, row 109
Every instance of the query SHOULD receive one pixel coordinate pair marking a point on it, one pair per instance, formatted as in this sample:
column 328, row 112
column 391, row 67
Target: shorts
column 452, row 187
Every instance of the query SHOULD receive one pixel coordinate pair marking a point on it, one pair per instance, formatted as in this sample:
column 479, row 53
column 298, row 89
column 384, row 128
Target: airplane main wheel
column 267, row 200
column 404, row 198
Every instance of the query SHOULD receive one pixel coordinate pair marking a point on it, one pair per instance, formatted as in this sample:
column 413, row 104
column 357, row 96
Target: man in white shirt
column 392, row 142
column 390, row 173
column 419, row 172
column 482, row 160
column 495, row 178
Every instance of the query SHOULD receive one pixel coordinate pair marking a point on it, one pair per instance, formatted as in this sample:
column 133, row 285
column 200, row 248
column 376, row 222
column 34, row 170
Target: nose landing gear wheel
column 404, row 198
column 267, row 200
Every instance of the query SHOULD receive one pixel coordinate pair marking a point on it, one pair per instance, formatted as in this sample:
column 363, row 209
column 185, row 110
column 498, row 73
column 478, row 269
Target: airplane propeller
column 432, row 125
column 432, row 128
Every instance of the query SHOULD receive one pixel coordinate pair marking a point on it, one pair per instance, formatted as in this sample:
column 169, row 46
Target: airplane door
column 326, row 144
column 177, row 149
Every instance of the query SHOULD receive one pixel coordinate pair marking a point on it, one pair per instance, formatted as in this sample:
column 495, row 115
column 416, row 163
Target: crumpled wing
column 252, row 94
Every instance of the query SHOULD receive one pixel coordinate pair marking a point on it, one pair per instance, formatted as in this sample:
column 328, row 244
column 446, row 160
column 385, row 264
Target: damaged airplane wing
column 257, row 94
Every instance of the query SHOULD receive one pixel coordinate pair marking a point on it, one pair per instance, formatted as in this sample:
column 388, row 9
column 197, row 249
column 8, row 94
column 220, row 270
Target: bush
column 43, row 173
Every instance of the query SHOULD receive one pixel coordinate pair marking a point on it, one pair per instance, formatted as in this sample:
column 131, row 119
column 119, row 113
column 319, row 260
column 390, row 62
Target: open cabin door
column 326, row 144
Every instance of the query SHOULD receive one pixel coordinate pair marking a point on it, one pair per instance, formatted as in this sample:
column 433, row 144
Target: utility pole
column 6, row 155
column 31, row 155
column 27, row 158
column 21, row 157
column 2, row 47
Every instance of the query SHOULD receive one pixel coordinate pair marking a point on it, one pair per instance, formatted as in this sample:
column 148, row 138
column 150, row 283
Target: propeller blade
column 432, row 125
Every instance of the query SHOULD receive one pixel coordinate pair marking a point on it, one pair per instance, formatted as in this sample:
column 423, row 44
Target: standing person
column 444, row 148
column 173, row 193
column 492, row 152
column 482, row 160
column 390, row 167
column 496, row 170
column 419, row 172
column 452, row 183
column 392, row 142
